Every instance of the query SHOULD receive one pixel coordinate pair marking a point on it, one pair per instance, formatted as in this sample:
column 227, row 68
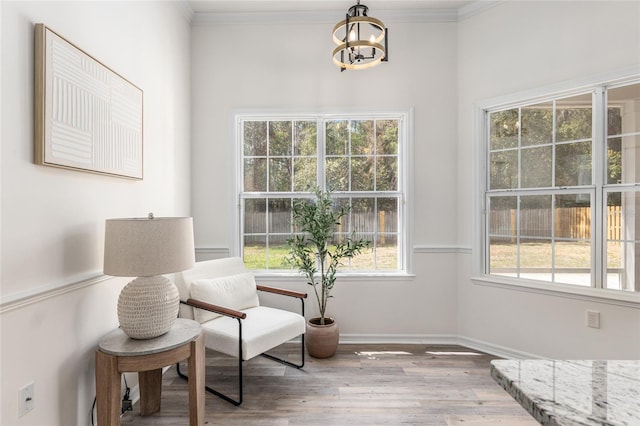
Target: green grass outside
column 386, row 258
column 538, row 255
column 532, row 255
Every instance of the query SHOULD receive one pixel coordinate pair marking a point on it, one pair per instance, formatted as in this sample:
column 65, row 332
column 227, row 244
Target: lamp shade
column 141, row 247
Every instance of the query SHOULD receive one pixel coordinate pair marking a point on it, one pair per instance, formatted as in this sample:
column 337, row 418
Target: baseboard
column 398, row 339
column 497, row 350
column 436, row 339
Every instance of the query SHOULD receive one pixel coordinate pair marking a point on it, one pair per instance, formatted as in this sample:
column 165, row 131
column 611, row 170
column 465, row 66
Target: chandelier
column 361, row 40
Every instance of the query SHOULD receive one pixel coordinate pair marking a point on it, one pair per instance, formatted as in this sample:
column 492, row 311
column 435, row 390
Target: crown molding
column 330, row 16
column 185, row 9
column 477, row 7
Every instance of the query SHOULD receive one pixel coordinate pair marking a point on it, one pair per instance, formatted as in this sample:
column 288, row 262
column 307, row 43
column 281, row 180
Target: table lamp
column 146, row 248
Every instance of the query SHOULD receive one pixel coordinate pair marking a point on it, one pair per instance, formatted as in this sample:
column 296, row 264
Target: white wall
column 287, row 66
column 522, row 46
column 53, row 219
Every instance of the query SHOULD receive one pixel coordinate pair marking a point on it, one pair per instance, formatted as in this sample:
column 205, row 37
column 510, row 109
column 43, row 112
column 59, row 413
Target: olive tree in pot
column 317, row 253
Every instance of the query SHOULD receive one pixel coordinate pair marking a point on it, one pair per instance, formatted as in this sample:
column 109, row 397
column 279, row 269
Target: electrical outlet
column 593, row 319
column 26, row 399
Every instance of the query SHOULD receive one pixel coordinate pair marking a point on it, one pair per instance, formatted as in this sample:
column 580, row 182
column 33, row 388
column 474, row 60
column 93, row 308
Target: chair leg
column 217, row 393
column 289, row 363
column 240, row 384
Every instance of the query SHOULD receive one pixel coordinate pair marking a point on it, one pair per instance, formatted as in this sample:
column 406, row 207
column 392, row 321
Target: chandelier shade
column 361, row 40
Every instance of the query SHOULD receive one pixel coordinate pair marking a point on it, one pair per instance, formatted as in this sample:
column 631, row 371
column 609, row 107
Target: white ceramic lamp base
column 148, row 307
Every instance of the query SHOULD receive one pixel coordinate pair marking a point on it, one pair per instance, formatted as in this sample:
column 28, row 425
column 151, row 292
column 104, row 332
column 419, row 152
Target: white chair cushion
column 262, row 329
column 235, row 292
column 204, row 270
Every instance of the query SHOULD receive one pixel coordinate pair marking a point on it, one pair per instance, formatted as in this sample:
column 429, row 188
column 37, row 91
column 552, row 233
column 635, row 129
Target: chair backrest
column 208, row 269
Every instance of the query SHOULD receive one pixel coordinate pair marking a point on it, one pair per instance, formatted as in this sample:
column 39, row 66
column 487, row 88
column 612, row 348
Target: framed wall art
column 87, row 116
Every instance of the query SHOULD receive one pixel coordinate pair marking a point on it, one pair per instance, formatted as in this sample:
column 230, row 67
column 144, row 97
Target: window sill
column 266, row 276
column 613, row 297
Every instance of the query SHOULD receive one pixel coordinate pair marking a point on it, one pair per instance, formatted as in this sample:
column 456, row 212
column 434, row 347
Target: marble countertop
column 568, row 393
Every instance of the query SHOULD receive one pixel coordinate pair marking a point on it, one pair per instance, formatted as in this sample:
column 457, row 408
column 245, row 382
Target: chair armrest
column 215, row 308
column 282, row 291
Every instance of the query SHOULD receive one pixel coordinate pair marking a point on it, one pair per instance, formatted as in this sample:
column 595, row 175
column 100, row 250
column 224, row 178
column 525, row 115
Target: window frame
column 405, row 147
column 598, row 187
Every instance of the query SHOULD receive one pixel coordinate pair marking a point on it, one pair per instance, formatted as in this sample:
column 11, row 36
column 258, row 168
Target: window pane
column 344, row 227
column 503, row 247
column 502, row 218
column 387, row 174
column 280, row 137
column 255, row 138
column 255, row 174
column 280, row 218
column 255, row 216
column 363, row 261
column 363, row 215
column 361, row 137
column 279, row 230
column 623, row 129
column 503, row 256
column 535, row 260
column 535, row 216
column 337, row 134
column 305, row 138
column 280, row 174
column 503, row 129
column 572, row 228
column 573, row 118
column 277, row 255
column 614, row 119
column 623, row 240
column 573, row 216
column 387, row 137
column 387, row 215
column 614, row 160
column 536, row 167
column 255, row 252
column 574, row 255
column 623, row 159
column 622, row 266
column 537, row 124
column 387, row 252
column 337, row 170
column 304, row 174
column 573, row 164
column 361, row 174
column 624, row 110
column 504, row 170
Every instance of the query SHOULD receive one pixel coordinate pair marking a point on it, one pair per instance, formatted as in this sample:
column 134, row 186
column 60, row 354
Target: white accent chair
column 223, row 296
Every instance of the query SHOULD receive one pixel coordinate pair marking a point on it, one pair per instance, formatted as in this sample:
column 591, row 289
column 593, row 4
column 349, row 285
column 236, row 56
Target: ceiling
column 234, row 6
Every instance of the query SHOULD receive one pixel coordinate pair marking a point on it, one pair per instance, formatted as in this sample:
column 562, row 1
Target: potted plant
column 317, row 253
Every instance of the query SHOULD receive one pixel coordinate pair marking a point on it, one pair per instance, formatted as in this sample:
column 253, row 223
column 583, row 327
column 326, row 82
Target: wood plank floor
column 362, row 385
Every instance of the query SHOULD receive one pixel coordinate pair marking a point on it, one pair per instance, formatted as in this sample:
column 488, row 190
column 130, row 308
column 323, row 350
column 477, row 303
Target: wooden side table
column 117, row 353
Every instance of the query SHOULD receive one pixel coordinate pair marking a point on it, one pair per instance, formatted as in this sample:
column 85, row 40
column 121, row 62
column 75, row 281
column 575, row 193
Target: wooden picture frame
column 87, row 117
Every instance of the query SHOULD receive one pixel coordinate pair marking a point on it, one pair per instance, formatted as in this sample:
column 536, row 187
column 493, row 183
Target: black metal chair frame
column 239, row 316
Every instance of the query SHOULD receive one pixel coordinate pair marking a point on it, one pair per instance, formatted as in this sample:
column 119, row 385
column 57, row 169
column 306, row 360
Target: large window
column 562, row 191
column 359, row 159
